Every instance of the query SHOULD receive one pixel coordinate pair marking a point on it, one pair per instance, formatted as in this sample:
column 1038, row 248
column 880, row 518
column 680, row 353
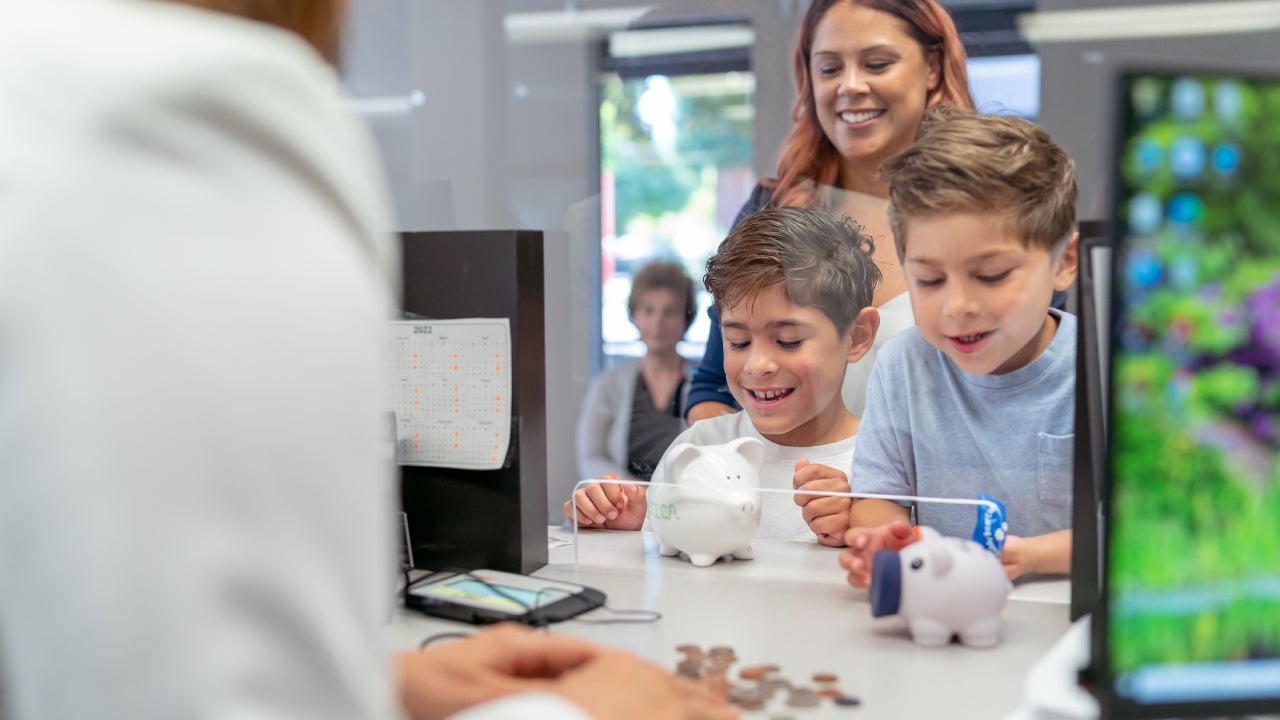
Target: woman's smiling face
column 871, row 82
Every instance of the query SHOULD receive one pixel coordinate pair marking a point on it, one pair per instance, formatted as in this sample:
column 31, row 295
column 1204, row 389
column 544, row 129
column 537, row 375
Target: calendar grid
column 451, row 392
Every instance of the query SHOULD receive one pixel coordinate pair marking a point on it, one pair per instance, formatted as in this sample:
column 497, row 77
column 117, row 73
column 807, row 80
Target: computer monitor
column 1190, row 611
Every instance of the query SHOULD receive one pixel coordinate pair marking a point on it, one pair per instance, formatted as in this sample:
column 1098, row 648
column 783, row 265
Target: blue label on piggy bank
column 992, row 527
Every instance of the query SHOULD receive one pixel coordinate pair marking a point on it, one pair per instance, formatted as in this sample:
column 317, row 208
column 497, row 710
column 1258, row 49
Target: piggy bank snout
column 886, row 583
column 746, row 504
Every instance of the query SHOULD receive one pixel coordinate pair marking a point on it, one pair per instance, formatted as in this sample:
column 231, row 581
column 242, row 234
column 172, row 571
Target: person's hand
column 441, row 681
column 865, row 542
column 617, row 507
column 507, row 659
column 827, row 517
column 619, row 686
column 1047, row 554
column 1016, row 556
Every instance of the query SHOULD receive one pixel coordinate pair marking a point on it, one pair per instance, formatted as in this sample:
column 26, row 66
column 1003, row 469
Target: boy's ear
column 1067, row 264
column 862, row 332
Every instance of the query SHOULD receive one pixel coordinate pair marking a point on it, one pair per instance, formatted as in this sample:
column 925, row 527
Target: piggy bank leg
column 702, row 559
column 744, row 553
column 666, row 550
column 983, row 633
column 930, row 632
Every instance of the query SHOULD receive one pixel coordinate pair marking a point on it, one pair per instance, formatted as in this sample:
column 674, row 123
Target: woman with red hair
column 865, row 72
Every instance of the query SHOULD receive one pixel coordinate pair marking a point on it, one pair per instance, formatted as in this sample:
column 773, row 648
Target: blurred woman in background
column 631, row 413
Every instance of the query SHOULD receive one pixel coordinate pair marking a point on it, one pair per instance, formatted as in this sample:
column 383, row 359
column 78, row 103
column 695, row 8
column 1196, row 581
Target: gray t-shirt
column 933, row 430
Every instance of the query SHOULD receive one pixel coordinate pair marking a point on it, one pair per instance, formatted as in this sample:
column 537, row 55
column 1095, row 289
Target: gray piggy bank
column 942, row 586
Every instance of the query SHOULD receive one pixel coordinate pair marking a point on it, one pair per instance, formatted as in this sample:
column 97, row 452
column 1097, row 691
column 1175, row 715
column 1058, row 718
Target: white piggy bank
column 703, row 500
column 942, row 586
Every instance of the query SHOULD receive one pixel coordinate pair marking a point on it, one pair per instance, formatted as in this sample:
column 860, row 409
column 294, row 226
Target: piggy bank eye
column 917, row 563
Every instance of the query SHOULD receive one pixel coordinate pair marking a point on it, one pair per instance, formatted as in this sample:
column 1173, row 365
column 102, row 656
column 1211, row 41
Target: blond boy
column 794, row 286
column 979, row 396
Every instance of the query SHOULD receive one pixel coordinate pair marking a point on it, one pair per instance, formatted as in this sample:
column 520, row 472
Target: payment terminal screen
column 1194, row 551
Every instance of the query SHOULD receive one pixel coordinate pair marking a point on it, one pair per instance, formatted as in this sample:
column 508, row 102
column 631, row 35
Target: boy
column 979, row 397
column 794, row 286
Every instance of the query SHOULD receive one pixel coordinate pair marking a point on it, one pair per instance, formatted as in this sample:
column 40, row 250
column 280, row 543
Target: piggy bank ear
column 751, row 449
column 940, row 559
column 678, row 458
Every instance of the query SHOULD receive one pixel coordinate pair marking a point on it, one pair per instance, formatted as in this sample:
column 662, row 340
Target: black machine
column 463, row 518
column 1092, row 293
column 481, row 597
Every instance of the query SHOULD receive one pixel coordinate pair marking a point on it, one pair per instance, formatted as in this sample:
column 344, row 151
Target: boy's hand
column 827, row 517
column 1043, row 554
column 616, row 507
column 1016, row 556
column 865, row 542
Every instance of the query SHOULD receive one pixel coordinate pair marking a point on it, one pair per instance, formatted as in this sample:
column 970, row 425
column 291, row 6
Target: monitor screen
column 1192, row 617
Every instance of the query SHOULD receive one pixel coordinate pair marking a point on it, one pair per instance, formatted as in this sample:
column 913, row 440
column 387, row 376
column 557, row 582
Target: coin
column 848, row 701
column 830, row 692
column 803, row 697
column 825, row 677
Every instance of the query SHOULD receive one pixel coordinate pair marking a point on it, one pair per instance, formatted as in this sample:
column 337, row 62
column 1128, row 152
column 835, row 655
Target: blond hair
column 964, row 161
column 821, row 261
column 319, row 22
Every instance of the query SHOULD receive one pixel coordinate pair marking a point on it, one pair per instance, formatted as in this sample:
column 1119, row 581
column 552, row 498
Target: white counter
column 791, row 606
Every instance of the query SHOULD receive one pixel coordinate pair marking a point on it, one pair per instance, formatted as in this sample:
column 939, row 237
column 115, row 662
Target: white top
column 780, row 517
column 196, row 498
column 895, row 316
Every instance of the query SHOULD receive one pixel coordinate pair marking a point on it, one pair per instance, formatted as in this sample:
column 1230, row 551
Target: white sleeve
column 595, row 423
column 195, row 491
column 542, row 706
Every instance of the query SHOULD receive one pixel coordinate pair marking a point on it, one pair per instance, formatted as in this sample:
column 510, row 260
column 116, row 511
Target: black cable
column 646, row 617
column 441, row 636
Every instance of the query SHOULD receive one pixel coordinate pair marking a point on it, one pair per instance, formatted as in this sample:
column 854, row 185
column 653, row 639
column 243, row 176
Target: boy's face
column 979, row 294
column 785, row 365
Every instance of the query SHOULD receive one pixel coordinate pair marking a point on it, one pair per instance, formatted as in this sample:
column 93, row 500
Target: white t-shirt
column 780, row 517
column 895, row 316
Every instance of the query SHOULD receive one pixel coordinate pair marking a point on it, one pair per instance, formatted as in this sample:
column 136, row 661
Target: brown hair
column 964, row 161
column 822, row 261
column 807, row 159
column 664, row 275
column 317, row 21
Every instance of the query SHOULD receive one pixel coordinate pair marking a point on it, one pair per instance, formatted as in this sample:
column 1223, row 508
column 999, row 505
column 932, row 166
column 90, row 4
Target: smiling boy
column 794, row 286
column 979, row 397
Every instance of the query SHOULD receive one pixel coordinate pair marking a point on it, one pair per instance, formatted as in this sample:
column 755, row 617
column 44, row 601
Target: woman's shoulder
column 759, row 198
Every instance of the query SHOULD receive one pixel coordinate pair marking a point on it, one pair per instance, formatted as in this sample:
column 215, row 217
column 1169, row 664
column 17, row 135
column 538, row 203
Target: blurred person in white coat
column 195, row 500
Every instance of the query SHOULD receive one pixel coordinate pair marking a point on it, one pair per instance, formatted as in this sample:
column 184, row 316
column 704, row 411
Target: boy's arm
column 1047, row 554
column 883, row 461
column 870, row 512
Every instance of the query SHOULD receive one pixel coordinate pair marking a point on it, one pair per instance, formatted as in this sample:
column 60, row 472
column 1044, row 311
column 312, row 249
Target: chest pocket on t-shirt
column 1053, row 476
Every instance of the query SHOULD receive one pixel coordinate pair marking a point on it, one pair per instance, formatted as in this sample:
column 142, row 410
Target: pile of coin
column 757, row 684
